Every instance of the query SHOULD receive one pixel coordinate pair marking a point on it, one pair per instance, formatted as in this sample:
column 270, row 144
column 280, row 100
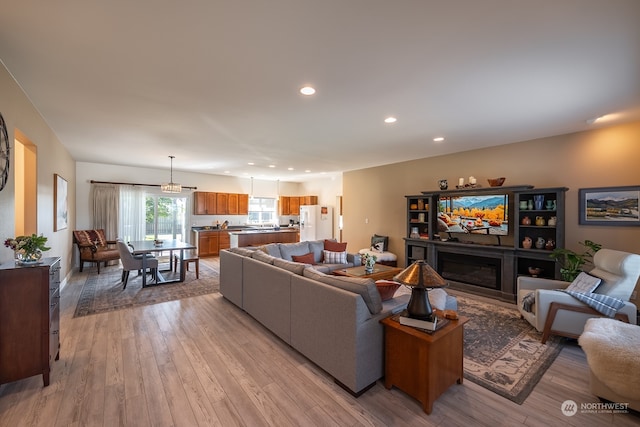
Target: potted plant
column 27, row 249
column 571, row 262
column 369, row 261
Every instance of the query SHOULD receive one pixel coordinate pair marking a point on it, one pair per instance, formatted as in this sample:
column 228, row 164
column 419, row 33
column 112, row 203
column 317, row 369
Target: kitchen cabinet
column 224, row 241
column 29, row 319
column 243, row 204
column 204, row 203
column 294, row 206
column 208, row 243
column 232, row 204
column 309, row 200
column 222, row 203
column 284, row 203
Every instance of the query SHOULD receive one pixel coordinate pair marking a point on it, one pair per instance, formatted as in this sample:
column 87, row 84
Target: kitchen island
column 257, row 237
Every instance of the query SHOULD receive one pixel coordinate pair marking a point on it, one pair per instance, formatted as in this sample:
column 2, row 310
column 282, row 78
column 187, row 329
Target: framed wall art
column 60, row 203
column 609, row 206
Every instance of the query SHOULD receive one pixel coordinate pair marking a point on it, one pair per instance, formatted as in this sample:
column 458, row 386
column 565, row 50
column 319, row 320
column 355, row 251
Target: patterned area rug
column 502, row 352
column 103, row 292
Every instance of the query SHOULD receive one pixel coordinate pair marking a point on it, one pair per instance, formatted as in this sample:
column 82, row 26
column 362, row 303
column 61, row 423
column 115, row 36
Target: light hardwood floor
column 202, row 361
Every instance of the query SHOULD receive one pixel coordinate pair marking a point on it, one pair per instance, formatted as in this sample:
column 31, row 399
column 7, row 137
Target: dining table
column 145, row 247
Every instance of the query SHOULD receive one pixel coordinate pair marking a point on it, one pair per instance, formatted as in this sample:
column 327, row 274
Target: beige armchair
column 558, row 313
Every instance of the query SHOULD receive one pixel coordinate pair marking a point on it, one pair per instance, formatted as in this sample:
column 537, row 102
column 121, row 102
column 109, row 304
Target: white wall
column 52, row 157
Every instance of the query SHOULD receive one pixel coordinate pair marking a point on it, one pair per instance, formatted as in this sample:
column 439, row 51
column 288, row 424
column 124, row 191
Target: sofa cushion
column 317, row 246
column 330, row 257
column 294, row 267
column 272, row 249
column 364, row 287
column 264, row 257
column 241, row 251
column 333, row 246
column 289, row 249
column 305, row 259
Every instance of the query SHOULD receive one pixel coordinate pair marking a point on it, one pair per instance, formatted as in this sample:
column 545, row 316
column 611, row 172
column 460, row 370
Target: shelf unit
column 514, row 260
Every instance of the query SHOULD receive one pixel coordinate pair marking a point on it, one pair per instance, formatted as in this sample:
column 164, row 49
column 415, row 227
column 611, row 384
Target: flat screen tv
column 484, row 214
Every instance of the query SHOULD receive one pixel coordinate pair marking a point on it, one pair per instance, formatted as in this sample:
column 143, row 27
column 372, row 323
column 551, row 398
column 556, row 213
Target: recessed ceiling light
column 307, row 90
column 251, row 163
column 290, row 169
column 272, row 166
column 438, row 139
column 390, row 120
column 227, row 171
column 308, row 170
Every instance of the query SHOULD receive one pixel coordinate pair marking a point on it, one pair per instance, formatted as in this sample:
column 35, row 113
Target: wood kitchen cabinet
column 208, row 243
column 284, row 203
column 232, row 204
column 224, row 240
column 294, row 206
column 222, row 203
column 243, row 204
column 204, row 203
column 29, row 319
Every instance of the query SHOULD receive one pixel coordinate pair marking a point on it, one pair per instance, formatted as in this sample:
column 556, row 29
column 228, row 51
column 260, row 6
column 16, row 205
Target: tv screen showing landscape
column 474, row 214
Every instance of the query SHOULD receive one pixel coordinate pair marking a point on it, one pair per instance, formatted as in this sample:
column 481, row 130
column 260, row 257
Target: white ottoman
column 384, row 258
column 612, row 347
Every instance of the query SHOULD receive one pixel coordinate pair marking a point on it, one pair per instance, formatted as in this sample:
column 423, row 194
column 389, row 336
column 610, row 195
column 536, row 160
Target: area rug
column 503, row 352
column 103, row 292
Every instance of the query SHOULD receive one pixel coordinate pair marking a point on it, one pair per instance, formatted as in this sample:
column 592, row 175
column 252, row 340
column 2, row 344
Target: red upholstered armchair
column 94, row 247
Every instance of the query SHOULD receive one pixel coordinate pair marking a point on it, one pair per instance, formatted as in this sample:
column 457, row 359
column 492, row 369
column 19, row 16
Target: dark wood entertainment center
column 487, row 260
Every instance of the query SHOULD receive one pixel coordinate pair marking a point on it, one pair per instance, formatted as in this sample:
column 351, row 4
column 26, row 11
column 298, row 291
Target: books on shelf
column 417, row 323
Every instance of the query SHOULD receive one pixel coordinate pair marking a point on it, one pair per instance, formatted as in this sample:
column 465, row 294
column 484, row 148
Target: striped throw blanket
column 603, row 304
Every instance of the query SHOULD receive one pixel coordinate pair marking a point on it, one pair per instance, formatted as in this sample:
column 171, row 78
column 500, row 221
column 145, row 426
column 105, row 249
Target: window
column 262, row 210
column 165, row 217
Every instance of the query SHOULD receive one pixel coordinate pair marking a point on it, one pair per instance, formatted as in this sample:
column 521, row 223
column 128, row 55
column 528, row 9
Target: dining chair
column 134, row 262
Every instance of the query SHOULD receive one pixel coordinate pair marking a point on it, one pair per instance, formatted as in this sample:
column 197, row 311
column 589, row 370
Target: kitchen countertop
column 264, row 230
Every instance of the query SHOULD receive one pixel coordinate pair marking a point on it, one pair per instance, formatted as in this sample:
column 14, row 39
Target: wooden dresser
column 29, row 319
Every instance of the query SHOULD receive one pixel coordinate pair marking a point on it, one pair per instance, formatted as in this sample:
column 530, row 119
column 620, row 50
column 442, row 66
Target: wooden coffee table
column 380, row 272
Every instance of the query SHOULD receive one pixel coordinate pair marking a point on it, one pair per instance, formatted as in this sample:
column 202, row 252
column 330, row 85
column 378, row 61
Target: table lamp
column 420, row 276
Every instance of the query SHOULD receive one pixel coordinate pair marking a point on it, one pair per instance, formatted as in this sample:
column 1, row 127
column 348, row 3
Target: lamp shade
column 420, row 274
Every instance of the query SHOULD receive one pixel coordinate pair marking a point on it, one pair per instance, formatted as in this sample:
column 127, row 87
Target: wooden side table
column 421, row 364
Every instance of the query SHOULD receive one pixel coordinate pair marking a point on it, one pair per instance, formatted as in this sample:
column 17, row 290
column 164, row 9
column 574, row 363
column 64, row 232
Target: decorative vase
column 526, row 221
column 527, row 242
column 368, row 265
column 26, row 258
column 552, row 221
column 540, row 221
column 540, row 243
column 538, row 201
column 550, row 245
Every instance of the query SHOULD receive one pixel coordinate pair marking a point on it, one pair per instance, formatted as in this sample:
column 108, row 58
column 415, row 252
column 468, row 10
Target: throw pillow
column 330, row 245
column 584, row 283
column 378, row 247
column 331, row 257
column 305, row 259
column 387, row 288
column 376, row 239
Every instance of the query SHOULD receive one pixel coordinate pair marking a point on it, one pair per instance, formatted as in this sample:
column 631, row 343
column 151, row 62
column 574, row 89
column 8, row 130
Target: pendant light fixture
column 171, row 187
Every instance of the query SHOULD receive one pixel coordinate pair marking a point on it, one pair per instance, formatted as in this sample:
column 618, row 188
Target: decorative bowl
column 535, row 271
column 496, row 182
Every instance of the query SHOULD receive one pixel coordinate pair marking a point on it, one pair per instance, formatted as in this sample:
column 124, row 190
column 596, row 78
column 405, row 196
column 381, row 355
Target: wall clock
column 4, row 153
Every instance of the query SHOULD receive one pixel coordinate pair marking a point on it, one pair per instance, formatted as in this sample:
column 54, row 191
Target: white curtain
column 104, row 209
column 132, row 213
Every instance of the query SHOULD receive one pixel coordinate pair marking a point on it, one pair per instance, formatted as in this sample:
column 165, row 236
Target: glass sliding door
column 165, row 217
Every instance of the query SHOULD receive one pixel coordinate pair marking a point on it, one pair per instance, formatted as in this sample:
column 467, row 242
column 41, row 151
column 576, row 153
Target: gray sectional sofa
column 332, row 320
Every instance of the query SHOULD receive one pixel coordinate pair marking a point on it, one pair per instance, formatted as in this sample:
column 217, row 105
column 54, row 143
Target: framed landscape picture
column 60, row 203
column 609, row 205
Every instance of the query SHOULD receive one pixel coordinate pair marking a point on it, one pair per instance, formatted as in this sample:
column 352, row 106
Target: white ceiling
column 215, row 83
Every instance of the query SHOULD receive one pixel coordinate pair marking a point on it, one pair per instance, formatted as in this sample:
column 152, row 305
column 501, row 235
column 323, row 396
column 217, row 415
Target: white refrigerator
column 316, row 222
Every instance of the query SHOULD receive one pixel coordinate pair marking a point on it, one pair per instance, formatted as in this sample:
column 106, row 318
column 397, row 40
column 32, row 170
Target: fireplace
column 471, row 269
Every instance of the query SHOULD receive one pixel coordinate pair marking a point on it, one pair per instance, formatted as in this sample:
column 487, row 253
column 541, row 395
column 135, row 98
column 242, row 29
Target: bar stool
column 189, row 256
